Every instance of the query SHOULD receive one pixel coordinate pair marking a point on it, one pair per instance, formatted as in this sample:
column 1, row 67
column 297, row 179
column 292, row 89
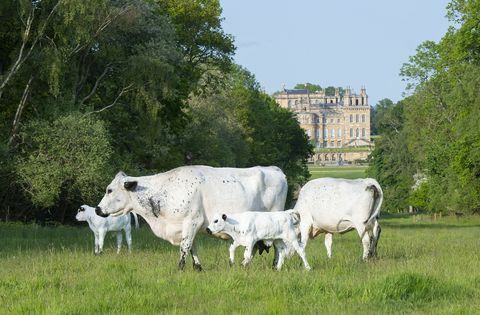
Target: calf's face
column 217, row 224
column 117, row 198
column 81, row 215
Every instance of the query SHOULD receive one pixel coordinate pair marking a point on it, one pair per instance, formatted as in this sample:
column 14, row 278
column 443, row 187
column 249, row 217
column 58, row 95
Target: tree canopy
column 428, row 152
column 91, row 87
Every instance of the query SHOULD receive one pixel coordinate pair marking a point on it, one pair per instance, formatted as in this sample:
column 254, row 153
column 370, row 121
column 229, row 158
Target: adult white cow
column 100, row 226
column 333, row 205
column 179, row 203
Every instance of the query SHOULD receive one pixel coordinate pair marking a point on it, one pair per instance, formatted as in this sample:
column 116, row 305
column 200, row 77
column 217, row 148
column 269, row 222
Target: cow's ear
column 130, row 185
column 224, row 217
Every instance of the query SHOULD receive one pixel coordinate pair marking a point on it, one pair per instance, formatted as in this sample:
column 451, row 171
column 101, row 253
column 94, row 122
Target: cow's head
column 81, row 213
column 117, row 199
column 217, row 224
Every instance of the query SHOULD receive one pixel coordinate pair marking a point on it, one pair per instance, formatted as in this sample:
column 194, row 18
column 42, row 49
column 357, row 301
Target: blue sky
column 335, row 42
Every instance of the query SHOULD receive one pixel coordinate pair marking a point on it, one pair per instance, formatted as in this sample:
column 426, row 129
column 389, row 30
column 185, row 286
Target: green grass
column 350, row 172
column 423, row 267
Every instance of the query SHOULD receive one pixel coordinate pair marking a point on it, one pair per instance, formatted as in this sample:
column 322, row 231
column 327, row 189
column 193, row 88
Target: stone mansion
column 338, row 126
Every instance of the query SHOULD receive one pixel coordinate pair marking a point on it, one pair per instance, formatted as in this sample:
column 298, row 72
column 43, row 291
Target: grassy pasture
column 423, row 267
column 350, row 172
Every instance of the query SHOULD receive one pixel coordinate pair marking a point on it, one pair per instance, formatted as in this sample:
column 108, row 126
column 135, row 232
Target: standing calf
column 100, row 226
column 247, row 228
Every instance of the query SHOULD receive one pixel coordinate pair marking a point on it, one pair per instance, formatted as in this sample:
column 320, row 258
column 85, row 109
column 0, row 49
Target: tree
column 64, row 163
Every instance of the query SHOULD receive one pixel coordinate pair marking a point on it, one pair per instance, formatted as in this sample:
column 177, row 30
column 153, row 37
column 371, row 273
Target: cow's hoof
column 197, row 267
column 181, row 265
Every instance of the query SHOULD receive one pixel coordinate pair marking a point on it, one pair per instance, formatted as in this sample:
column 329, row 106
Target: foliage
column 69, row 156
column 155, row 82
column 437, row 134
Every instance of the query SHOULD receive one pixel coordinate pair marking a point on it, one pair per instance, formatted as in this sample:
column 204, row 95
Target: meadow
column 350, row 172
column 424, row 266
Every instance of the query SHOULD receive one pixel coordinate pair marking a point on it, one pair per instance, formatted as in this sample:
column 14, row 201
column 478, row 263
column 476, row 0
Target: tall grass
column 424, row 266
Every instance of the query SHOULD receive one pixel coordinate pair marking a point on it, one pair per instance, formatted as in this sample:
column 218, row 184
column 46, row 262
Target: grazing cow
column 247, row 228
column 100, row 226
column 331, row 205
column 179, row 203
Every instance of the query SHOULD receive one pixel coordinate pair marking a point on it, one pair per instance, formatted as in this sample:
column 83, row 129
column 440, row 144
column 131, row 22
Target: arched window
column 363, row 118
column 356, row 102
column 351, row 117
column 363, row 132
column 356, row 118
column 326, row 157
column 332, row 133
column 351, row 132
column 357, row 133
column 333, row 156
column 363, row 100
column 339, row 133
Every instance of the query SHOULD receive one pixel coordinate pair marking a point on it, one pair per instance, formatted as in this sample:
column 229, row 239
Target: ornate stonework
column 338, row 126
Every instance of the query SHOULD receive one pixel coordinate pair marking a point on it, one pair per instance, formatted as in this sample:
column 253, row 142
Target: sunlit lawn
column 423, row 267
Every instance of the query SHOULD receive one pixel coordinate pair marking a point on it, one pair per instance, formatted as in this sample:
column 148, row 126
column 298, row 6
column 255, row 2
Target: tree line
column 428, row 152
column 88, row 88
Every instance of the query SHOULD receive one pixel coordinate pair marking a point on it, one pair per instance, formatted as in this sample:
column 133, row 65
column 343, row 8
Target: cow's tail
column 136, row 219
column 377, row 202
column 294, row 216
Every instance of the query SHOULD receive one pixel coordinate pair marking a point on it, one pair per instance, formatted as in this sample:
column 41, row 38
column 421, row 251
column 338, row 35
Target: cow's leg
column 231, row 251
column 101, row 238
column 196, row 262
column 119, row 241
column 375, row 237
column 305, row 228
column 276, row 254
column 247, row 256
column 365, row 236
column 328, row 244
column 128, row 236
column 97, row 248
column 280, row 246
column 190, row 228
column 293, row 240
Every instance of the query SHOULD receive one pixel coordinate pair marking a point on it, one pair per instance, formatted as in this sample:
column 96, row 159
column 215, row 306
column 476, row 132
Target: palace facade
column 338, row 126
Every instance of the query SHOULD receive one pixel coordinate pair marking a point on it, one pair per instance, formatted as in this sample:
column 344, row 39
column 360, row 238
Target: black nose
column 99, row 212
column 209, row 231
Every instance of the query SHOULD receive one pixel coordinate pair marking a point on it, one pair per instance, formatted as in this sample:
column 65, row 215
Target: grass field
column 350, row 172
column 423, row 267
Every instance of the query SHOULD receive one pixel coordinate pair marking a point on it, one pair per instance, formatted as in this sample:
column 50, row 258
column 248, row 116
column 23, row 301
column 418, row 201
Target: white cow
column 247, row 228
column 331, row 205
column 179, row 203
column 100, row 226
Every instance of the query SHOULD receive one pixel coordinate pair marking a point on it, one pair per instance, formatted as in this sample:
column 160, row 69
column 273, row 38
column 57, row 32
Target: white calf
column 100, row 226
column 247, row 228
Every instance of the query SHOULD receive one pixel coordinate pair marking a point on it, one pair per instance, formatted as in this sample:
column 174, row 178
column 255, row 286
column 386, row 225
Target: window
column 363, row 118
column 338, row 120
column 356, row 101
column 333, row 156
column 331, row 101
column 308, row 133
column 356, row 118
column 363, row 132
column 339, row 133
column 332, row 144
column 317, row 133
column 331, row 120
column 351, row 118
column 357, row 133
column 332, row 133
column 363, row 100
column 290, row 103
column 351, row 132
column 325, row 134
column 339, row 144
